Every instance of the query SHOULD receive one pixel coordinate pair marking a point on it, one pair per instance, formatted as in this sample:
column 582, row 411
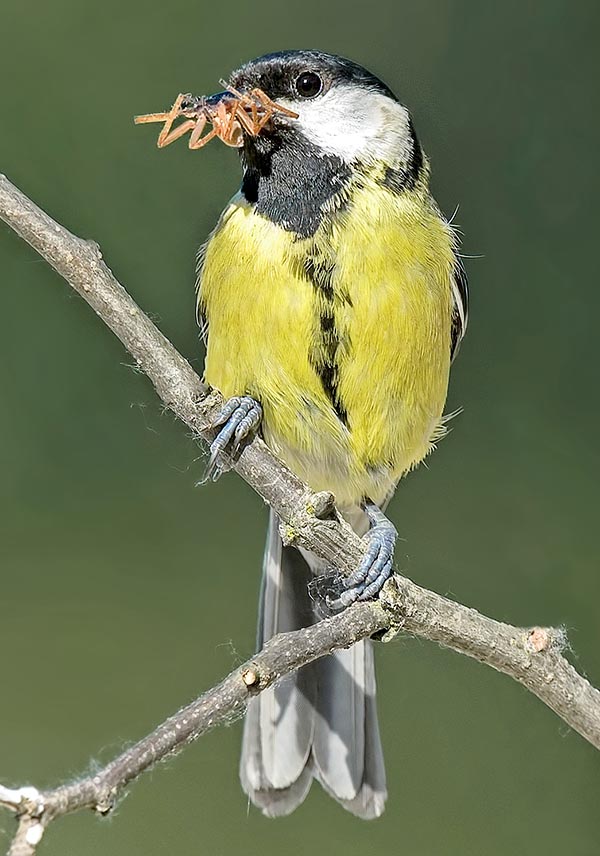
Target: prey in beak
column 231, row 113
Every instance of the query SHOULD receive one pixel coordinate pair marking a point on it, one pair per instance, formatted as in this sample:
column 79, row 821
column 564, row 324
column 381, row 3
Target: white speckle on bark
column 34, row 834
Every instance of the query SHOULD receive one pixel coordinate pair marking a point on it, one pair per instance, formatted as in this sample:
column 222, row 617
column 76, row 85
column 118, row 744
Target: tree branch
column 280, row 656
column 533, row 657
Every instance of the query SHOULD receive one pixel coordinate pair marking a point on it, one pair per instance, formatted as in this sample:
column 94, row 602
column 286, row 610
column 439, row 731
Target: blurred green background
column 116, row 569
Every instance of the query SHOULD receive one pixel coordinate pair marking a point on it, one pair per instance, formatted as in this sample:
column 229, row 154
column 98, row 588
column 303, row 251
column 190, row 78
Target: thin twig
column 280, row 656
column 531, row 656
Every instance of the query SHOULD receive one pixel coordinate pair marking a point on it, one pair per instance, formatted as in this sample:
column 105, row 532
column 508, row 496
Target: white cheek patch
column 355, row 124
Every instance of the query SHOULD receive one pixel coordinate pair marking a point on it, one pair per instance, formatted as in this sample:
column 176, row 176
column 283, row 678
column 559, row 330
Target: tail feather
column 370, row 798
column 339, row 741
column 279, row 723
column 274, row 801
column 320, row 722
column 279, row 802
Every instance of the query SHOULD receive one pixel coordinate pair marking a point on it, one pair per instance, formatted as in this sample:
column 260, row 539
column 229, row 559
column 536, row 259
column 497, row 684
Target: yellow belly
column 389, row 300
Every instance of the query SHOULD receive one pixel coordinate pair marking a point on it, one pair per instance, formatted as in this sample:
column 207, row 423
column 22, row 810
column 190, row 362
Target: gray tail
column 320, row 722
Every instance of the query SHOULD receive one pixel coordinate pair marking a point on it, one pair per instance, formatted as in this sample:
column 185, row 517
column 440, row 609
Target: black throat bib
column 290, row 180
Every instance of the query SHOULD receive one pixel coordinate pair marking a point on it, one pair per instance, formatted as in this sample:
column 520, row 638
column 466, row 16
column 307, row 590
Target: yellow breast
column 344, row 337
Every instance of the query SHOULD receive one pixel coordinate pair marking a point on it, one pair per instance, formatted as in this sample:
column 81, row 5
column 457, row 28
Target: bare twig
column 531, row 656
column 280, row 656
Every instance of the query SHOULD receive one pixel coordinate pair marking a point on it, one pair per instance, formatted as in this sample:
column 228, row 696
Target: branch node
column 289, row 535
column 538, row 640
column 208, row 402
column 94, row 246
column 23, row 801
column 250, row 677
column 105, row 802
column 321, row 505
column 34, row 834
column 32, row 801
column 390, row 599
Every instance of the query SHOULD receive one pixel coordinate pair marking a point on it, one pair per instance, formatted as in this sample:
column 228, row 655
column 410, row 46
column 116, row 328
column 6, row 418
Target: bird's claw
column 240, row 417
column 377, row 565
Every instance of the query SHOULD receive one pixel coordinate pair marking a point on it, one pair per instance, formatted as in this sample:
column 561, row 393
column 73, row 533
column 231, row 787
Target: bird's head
column 309, row 126
column 342, row 110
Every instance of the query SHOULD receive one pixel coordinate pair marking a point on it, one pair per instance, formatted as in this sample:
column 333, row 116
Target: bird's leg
column 376, row 567
column 239, row 417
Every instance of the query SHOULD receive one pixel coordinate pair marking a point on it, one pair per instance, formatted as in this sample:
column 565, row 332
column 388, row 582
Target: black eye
column 308, row 84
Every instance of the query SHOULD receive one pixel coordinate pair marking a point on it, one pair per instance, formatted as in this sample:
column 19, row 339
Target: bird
column 333, row 299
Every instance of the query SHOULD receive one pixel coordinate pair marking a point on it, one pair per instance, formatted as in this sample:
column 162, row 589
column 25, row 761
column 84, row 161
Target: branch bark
column 531, row 656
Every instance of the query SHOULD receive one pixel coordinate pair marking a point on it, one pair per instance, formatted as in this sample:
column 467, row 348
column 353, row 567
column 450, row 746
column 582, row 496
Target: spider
column 231, row 116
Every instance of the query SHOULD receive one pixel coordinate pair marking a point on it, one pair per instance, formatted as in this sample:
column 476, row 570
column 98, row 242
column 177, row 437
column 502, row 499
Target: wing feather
column 460, row 310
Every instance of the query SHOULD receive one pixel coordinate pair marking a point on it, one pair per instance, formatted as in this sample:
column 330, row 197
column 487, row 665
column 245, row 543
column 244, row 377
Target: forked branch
column 532, row 656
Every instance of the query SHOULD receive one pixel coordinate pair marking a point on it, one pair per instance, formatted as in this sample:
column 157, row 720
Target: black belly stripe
column 327, row 364
column 319, row 271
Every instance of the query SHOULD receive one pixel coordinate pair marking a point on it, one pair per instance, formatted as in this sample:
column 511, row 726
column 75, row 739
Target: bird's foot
column 240, row 417
column 377, row 565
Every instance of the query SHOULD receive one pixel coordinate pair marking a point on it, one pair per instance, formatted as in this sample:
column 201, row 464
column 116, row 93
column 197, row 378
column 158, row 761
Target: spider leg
column 242, row 113
column 167, row 135
column 260, row 96
column 170, row 116
column 229, row 88
column 267, row 116
column 196, row 134
column 223, row 117
column 232, row 117
column 231, row 133
column 267, row 103
column 150, row 117
column 270, row 107
column 245, row 120
column 197, row 142
column 220, row 120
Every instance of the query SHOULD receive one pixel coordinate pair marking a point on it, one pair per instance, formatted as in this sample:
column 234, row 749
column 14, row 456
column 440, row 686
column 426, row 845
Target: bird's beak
column 212, row 101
